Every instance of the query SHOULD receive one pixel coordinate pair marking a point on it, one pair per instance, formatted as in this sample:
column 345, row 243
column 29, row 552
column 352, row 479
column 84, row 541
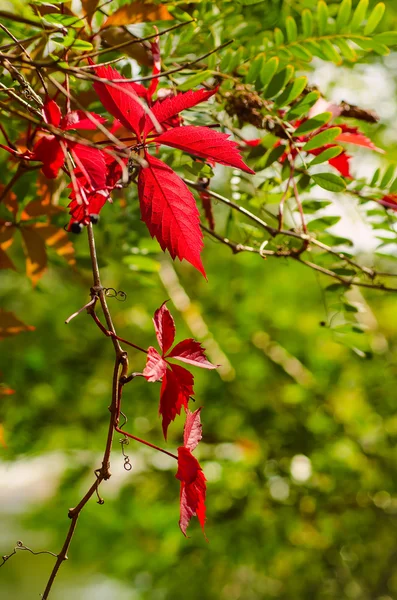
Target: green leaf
column 322, row 17
column 393, row 187
column 328, row 154
column 225, row 62
column 291, row 28
column 268, row 70
column 344, row 12
column 194, row 80
column 304, row 105
column 329, row 51
column 387, row 177
column 292, row 92
column 278, row 37
column 359, row 15
column 270, row 157
column 322, row 223
column 388, row 38
column 329, row 182
column 313, row 124
column 255, row 69
column 374, row 18
column 375, row 178
column 279, row 82
column 307, row 23
column 63, row 19
column 322, row 139
column 347, row 52
column 312, row 206
column 300, row 52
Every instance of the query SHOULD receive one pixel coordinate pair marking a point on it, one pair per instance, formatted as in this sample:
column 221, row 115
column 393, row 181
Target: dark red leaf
column 169, row 210
column 192, row 432
column 193, row 489
column 155, row 365
column 206, row 143
column 173, row 105
column 192, row 352
column 120, row 100
column 48, row 150
column 176, row 388
column 164, row 326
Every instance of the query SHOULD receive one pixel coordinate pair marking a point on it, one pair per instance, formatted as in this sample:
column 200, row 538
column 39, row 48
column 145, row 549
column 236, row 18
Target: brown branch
column 119, row 378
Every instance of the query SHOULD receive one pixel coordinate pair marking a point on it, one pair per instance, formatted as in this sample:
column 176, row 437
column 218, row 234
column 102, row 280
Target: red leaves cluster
column 190, row 474
column 177, row 382
column 167, row 206
column 176, row 389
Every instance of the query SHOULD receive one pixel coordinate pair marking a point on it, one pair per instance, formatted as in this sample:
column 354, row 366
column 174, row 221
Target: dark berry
column 76, row 228
column 94, row 219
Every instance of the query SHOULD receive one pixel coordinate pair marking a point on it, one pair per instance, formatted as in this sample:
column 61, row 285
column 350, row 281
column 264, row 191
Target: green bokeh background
column 300, row 429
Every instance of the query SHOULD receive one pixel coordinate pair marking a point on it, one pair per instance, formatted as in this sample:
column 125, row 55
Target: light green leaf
column 194, row 80
column 291, row 28
column 279, row 82
column 344, row 12
column 387, row 177
column 329, row 182
column 307, row 23
column 255, row 69
column 300, row 52
column 374, row 18
column 322, row 17
column 304, row 105
column 278, row 37
column 328, row 154
column 322, row 223
column 322, row 139
column 388, row 38
column 268, row 70
column 292, row 92
column 347, row 52
column 313, row 123
column 329, row 51
column 359, row 15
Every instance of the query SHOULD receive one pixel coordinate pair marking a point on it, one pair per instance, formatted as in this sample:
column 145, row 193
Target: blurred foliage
column 299, row 423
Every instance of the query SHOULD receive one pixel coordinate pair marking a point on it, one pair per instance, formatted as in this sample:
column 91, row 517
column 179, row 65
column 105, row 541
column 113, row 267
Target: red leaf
column 155, row 365
column 48, row 150
column 176, row 388
column 92, row 164
column 206, row 143
column 192, row 432
column 341, row 164
column 173, row 105
column 52, row 112
column 192, row 352
column 193, row 489
column 169, row 210
column 352, row 135
column 164, row 326
column 78, row 119
column 120, row 99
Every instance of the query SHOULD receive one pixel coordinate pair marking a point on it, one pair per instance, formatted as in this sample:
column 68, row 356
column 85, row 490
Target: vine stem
column 119, row 378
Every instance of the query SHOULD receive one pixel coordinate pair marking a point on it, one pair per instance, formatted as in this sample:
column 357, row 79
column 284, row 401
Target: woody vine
column 98, row 156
